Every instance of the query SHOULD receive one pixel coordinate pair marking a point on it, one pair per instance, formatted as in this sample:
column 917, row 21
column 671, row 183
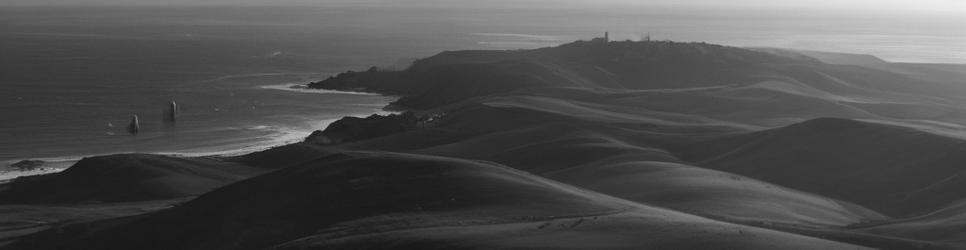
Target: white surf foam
column 301, row 88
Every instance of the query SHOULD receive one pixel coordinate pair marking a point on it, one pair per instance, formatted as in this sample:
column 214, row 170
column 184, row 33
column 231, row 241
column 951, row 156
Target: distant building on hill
column 604, row 39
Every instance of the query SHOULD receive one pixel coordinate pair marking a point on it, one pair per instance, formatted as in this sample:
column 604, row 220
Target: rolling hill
column 895, row 170
column 382, row 200
column 123, row 178
column 587, row 145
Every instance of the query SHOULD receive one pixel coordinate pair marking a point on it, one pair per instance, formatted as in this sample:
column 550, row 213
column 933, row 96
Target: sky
column 857, row 5
column 891, row 5
column 902, row 30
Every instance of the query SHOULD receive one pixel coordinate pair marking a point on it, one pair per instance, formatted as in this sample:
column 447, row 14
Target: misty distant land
column 587, row 145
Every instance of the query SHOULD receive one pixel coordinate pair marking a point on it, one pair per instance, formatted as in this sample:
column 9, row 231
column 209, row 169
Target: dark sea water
column 71, row 77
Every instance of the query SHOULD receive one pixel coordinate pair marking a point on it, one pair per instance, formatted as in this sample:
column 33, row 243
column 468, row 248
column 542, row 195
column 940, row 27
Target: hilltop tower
column 606, row 36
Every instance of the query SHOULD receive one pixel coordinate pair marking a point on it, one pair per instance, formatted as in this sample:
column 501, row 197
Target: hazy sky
column 858, row 5
column 898, row 5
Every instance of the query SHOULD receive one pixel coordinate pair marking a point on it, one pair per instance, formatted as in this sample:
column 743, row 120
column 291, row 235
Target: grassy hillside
column 896, row 170
column 587, row 145
column 369, row 200
column 119, row 178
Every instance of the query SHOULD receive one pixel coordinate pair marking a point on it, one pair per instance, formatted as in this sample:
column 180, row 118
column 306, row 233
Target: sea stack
column 135, row 126
column 171, row 114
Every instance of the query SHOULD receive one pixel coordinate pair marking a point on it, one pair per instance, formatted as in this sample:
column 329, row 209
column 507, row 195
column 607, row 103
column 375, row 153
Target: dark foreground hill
column 589, row 145
column 383, row 200
column 123, row 178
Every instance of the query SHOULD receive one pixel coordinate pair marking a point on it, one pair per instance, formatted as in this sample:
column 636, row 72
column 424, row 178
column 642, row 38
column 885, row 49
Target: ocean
column 72, row 77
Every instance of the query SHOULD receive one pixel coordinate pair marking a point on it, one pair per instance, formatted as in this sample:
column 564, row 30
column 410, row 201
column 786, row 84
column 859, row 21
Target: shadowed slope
column 356, row 199
column 129, row 177
column 629, row 230
column 20, row 220
column 616, row 157
column 619, row 162
column 630, row 160
column 892, row 169
column 712, row 193
column 945, row 225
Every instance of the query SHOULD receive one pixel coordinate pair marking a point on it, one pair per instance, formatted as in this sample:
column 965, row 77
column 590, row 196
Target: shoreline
column 280, row 137
column 304, row 88
column 50, row 165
